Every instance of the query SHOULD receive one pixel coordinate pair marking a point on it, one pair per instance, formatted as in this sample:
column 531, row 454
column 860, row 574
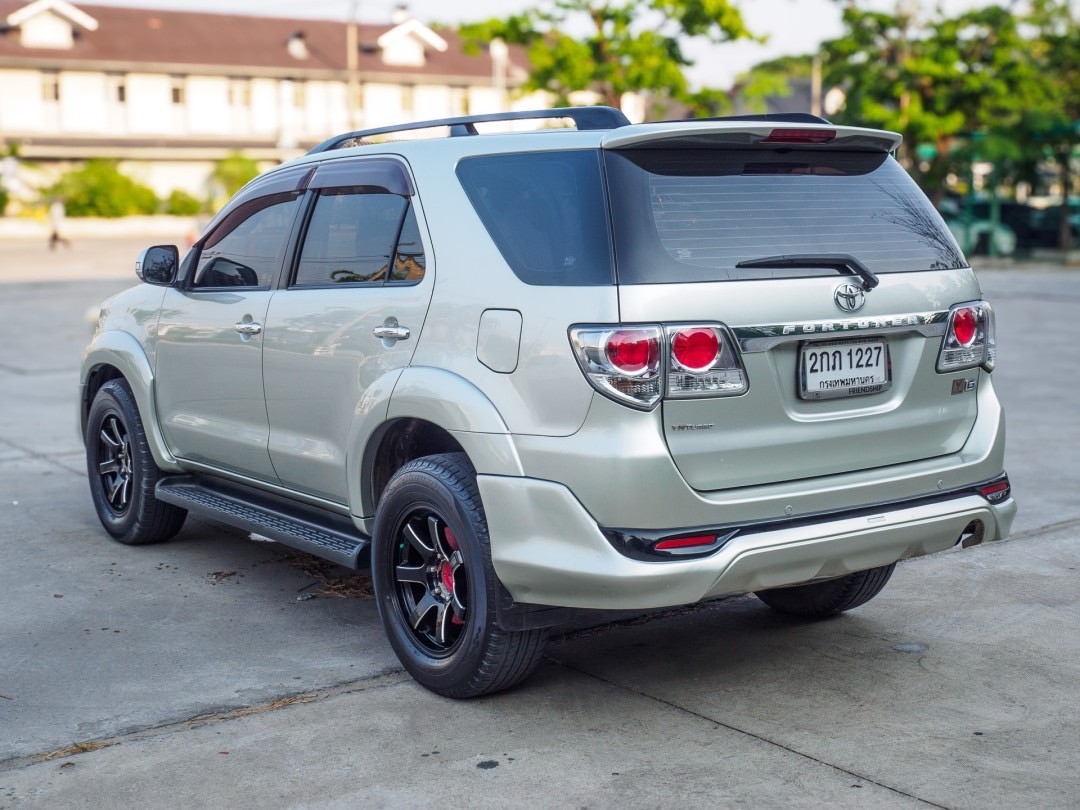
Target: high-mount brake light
column 800, row 136
column 969, row 339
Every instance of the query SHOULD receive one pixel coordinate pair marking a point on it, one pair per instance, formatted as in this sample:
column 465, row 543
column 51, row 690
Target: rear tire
column 817, row 600
column 435, row 585
column 122, row 471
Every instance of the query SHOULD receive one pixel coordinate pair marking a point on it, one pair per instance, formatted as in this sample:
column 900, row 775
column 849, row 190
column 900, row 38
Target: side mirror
column 157, row 265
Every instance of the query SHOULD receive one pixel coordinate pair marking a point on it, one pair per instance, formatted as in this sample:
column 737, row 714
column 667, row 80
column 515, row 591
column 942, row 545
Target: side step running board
column 305, row 528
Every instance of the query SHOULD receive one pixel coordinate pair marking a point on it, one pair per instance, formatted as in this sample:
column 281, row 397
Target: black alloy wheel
column 436, row 587
column 431, row 581
column 122, row 472
column 114, row 464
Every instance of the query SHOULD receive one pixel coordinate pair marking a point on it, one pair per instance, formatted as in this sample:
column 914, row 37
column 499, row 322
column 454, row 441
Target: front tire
column 122, row 471
column 816, row 600
column 435, row 585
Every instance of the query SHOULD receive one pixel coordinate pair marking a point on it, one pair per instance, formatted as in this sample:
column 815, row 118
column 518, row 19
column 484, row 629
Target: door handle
column 391, row 331
column 248, row 328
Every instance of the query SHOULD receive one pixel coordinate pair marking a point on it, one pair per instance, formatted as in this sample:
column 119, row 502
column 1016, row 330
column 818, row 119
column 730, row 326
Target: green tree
column 771, row 79
column 232, row 173
column 1049, row 125
column 935, row 80
column 100, row 189
column 627, row 45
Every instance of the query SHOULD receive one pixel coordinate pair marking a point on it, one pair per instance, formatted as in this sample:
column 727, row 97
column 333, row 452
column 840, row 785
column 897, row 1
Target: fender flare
column 123, row 352
column 441, row 398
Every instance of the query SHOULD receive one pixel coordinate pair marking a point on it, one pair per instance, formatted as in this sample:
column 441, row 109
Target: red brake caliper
column 447, row 573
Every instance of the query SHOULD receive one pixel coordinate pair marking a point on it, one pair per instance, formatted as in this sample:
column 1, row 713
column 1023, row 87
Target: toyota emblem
column 849, row 297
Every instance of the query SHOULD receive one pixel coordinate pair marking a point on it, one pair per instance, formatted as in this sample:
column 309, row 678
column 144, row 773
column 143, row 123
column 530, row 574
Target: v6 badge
column 963, row 385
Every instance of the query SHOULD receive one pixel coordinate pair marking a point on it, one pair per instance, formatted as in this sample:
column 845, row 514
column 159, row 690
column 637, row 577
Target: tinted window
column 694, row 214
column 409, row 260
column 244, row 250
column 350, row 238
column 545, row 212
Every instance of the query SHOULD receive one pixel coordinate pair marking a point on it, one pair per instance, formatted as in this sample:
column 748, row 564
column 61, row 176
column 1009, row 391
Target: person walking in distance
column 57, row 215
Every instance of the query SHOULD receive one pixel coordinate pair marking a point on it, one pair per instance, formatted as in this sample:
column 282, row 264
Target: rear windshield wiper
column 834, row 261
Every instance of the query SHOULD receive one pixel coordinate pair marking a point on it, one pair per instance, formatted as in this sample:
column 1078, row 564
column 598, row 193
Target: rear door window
column 683, row 215
column 351, row 238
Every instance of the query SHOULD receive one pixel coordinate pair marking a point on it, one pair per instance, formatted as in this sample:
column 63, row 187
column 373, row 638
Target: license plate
column 844, row 368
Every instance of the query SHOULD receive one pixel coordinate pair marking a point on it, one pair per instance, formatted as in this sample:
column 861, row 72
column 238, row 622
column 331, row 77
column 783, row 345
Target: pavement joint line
column 1050, row 528
column 28, row 453
column 35, row 372
column 672, row 705
column 381, row 680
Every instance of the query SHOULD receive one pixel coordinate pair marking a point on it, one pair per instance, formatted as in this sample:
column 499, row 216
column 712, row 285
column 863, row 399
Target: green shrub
column 182, row 204
column 233, row 172
column 3, row 200
column 100, row 189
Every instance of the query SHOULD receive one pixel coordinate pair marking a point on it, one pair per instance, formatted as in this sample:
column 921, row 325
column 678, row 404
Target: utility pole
column 500, row 55
column 815, row 85
column 352, row 52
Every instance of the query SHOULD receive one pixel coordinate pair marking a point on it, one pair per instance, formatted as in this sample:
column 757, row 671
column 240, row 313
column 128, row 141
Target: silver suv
column 525, row 374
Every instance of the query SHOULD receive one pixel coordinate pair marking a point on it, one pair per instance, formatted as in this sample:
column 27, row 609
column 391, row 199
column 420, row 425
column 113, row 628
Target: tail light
column 969, row 338
column 621, row 362
column 703, row 362
column 639, row 364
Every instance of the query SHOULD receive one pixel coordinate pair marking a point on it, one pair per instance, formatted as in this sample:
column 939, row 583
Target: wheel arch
column 430, row 411
column 118, row 355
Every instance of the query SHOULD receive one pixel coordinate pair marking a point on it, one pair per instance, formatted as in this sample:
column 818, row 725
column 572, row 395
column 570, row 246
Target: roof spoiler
column 792, row 130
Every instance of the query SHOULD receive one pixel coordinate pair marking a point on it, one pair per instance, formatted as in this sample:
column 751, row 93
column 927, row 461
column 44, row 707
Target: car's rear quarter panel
column 546, row 394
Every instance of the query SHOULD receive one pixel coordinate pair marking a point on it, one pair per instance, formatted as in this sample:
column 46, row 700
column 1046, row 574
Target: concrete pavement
column 216, row 670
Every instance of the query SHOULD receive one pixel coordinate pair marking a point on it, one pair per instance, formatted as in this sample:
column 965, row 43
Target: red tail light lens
column 800, row 136
column 696, row 349
column 633, row 351
column 965, row 326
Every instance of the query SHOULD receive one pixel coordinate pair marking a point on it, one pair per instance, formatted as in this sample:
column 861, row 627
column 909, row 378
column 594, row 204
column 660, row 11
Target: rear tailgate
column 831, row 389
column 770, row 434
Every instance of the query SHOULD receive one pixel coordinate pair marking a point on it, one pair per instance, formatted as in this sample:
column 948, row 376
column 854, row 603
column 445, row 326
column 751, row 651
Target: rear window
column 683, row 215
column 545, row 212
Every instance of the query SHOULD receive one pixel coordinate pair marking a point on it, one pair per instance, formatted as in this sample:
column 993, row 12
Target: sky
column 792, row 26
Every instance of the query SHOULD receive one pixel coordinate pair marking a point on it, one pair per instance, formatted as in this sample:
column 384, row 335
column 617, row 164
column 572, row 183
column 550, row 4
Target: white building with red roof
column 170, row 92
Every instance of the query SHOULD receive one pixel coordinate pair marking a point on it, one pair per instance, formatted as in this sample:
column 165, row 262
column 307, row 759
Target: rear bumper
column 547, row 549
column 620, row 468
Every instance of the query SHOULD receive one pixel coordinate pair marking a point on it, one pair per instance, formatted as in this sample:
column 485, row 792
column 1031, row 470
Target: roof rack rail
column 782, row 118
column 584, row 118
